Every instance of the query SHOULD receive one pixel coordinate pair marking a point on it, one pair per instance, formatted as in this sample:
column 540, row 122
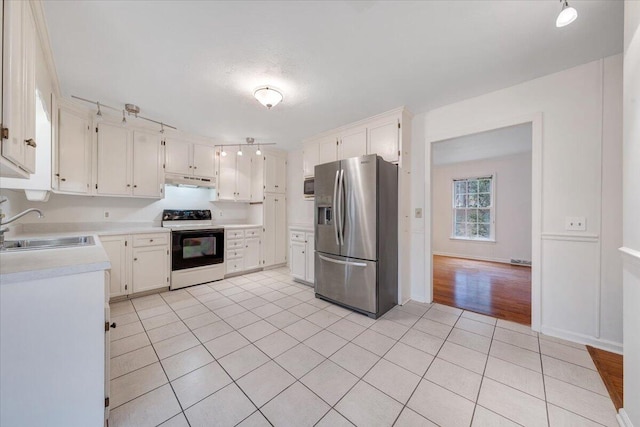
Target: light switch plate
column 575, row 223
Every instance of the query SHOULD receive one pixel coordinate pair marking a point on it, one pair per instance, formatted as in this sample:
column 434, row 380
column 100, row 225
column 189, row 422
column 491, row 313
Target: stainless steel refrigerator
column 356, row 233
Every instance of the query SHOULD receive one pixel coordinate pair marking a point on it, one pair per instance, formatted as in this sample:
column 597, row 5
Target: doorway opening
column 481, row 222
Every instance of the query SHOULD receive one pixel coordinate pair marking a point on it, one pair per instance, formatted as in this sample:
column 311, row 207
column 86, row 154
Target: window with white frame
column 473, row 214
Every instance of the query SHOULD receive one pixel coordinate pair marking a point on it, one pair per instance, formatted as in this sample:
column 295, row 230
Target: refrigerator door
column 348, row 281
column 326, row 193
column 358, row 216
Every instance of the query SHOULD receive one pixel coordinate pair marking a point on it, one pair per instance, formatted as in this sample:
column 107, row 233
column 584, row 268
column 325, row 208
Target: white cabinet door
column 281, row 175
column 383, row 139
column 280, row 249
column 257, row 179
column 298, row 260
column 29, row 95
column 327, row 150
column 114, row 160
column 311, row 258
column 252, row 253
column 310, row 158
column 147, row 165
column 116, row 251
column 353, row 143
column 177, row 157
column 204, row 161
column 74, row 151
column 150, row 268
column 226, row 185
column 243, row 178
column 269, row 240
column 270, row 166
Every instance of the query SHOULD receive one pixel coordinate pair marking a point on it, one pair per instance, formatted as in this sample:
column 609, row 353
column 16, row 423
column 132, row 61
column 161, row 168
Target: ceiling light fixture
column 239, row 150
column 131, row 109
column 99, row 113
column 124, row 119
column 223, row 153
column 567, row 15
column 268, row 96
column 258, row 152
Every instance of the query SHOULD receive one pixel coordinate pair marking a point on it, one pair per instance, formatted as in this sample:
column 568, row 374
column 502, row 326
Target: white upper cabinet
column 114, row 160
column 72, row 172
column 18, row 89
column 129, row 163
column 257, row 179
column 204, row 161
column 310, row 158
column 384, row 137
column 178, row 157
column 187, row 159
column 148, row 177
column 275, row 174
column 328, row 149
column 353, row 143
column 234, row 176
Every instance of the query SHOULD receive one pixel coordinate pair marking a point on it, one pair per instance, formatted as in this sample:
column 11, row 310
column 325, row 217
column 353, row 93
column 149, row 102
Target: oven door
column 196, row 248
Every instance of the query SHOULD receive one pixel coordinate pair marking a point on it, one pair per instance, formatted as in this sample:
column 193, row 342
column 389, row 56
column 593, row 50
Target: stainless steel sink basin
column 61, row 242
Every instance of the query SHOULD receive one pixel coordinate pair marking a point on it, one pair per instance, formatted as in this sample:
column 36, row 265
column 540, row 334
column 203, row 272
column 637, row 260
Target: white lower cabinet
column 275, row 219
column 242, row 249
column 139, row 262
column 301, row 248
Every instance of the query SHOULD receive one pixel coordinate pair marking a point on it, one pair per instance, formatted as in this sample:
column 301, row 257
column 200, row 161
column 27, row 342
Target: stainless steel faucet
column 13, row 218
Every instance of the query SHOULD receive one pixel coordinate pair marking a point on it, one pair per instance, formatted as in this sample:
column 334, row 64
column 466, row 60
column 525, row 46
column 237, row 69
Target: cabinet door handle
column 135, row 259
column 63, row 179
column 150, row 240
column 135, row 186
column 128, row 185
column 190, row 167
column 195, row 167
column 30, row 142
column 113, row 325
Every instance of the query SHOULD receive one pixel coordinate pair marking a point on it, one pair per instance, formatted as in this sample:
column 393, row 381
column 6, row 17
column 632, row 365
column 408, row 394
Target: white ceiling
column 484, row 145
column 195, row 64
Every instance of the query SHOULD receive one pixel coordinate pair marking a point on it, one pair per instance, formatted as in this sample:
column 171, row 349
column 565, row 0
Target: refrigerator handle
column 336, row 261
column 335, row 208
column 341, row 193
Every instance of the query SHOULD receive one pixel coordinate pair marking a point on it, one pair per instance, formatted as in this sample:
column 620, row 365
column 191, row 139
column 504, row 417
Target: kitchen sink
column 33, row 244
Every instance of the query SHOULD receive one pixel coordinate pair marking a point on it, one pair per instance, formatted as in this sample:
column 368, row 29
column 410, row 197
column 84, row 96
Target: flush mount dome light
column 268, row 96
column 567, row 15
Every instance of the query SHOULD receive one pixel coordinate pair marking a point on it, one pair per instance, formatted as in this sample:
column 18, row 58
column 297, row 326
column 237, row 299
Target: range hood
column 191, row 181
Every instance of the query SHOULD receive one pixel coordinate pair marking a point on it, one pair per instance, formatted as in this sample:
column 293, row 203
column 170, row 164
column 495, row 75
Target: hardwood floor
column 491, row 288
column 610, row 368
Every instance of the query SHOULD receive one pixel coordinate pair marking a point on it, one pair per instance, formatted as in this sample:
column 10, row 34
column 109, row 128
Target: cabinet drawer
column 234, row 265
column 297, row 236
column 252, row 232
column 234, row 244
column 235, row 234
column 140, row 240
column 234, row 254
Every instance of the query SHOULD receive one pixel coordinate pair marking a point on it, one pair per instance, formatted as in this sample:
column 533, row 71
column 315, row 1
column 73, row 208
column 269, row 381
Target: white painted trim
column 536, row 203
column 478, row 258
column 614, row 347
column 43, row 33
column 568, row 237
column 630, row 254
column 623, row 418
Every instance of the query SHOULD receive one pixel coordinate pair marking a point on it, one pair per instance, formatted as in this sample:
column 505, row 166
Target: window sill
column 464, row 239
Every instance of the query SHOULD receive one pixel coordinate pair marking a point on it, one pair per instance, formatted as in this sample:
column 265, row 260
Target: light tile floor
column 260, row 350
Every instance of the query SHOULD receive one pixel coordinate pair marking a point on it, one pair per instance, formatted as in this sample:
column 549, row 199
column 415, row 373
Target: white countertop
column 237, row 226
column 22, row 266
column 304, row 227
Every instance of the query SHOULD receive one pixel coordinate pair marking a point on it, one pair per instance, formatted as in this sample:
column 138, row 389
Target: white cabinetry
column 139, row 262
column 275, row 220
column 384, row 138
column 187, row 159
column 18, row 90
column 129, row 163
column 234, row 176
column 310, row 158
column 328, row 149
column 353, row 143
column 242, row 249
column 301, row 247
column 72, row 168
column 275, row 174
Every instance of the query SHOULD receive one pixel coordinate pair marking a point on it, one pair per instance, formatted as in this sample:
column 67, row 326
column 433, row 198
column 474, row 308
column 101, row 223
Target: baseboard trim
column 477, row 258
column 623, row 418
column 611, row 346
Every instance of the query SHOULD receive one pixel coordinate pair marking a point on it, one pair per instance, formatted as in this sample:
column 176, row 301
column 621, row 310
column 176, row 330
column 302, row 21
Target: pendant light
column 567, row 15
column 268, row 96
column 124, row 120
column 239, row 150
column 223, row 153
column 99, row 113
column 258, row 152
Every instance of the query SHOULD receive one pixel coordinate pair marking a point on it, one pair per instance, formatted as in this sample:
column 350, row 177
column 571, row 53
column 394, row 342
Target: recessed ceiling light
column 268, row 96
column 567, row 15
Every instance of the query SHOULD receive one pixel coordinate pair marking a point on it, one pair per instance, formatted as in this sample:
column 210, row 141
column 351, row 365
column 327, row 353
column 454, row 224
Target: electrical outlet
column 418, row 213
column 575, row 223
column 106, row 214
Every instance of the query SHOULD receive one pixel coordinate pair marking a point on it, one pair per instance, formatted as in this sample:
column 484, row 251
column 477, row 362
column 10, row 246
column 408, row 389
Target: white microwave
column 308, row 188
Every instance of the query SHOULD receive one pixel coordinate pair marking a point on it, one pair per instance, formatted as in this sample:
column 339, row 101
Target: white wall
column 631, row 178
column 62, row 208
column 299, row 209
column 512, row 208
column 577, row 269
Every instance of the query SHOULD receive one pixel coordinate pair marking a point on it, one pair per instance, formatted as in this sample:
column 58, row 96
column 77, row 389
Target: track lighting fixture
column 258, row 152
column 239, row 150
column 124, row 119
column 223, row 153
column 99, row 113
column 567, row 15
